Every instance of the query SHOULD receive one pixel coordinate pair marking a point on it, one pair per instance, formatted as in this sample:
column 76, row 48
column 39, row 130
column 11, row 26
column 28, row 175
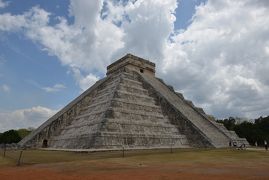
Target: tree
column 253, row 132
column 23, row 132
column 228, row 123
column 10, row 136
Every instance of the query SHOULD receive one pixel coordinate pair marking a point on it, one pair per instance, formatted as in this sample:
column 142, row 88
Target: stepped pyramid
column 130, row 107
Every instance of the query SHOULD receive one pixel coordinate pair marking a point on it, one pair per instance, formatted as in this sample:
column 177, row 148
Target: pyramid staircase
column 216, row 134
column 118, row 113
column 131, row 108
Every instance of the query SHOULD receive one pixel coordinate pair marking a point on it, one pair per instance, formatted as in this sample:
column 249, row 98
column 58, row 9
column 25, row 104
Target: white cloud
column 220, row 61
column 85, row 81
column 149, row 25
column 3, row 4
column 24, row 118
column 5, row 88
column 55, row 88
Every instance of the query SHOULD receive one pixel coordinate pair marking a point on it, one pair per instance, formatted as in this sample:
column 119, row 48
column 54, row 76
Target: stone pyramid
column 130, row 107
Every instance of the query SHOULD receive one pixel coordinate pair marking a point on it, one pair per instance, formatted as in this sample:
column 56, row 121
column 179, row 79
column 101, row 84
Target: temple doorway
column 45, row 143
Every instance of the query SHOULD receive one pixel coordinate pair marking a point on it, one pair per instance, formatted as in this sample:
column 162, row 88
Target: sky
column 214, row 52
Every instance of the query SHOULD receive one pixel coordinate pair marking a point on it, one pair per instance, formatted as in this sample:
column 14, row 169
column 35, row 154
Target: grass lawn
column 139, row 164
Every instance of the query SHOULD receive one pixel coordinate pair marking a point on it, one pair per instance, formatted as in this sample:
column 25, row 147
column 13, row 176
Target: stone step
column 117, row 76
column 93, row 127
column 73, row 136
column 133, row 89
column 134, row 97
column 127, row 75
column 69, row 133
column 142, row 113
column 132, row 105
column 122, row 134
column 94, row 106
column 139, row 128
column 131, row 82
column 109, row 83
column 161, row 135
column 135, row 102
column 103, row 97
column 107, row 89
column 143, row 140
column 135, row 115
column 109, row 140
column 77, row 124
column 89, row 114
column 87, row 118
column 139, row 123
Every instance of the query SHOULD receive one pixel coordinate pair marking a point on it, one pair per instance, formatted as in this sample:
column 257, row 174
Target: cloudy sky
column 215, row 52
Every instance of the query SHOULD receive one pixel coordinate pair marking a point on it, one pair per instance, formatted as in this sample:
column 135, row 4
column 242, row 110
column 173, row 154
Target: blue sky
column 49, row 52
column 26, row 68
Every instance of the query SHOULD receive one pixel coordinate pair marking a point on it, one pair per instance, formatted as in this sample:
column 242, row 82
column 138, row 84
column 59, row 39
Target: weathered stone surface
column 132, row 108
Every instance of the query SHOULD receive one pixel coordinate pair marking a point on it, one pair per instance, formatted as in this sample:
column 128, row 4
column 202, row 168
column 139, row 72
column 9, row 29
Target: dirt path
column 114, row 171
column 207, row 164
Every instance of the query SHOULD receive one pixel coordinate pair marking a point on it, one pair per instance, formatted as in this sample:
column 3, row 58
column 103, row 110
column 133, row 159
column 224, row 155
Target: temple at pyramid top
column 133, row 63
column 130, row 107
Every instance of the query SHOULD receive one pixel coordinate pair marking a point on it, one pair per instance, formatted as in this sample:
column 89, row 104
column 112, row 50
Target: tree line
column 13, row 136
column 256, row 131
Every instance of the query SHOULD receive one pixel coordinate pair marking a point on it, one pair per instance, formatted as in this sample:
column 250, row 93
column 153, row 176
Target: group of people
column 234, row 144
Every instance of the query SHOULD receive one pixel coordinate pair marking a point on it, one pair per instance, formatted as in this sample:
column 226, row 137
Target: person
column 265, row 145
column 234, row 144
column 256, row 144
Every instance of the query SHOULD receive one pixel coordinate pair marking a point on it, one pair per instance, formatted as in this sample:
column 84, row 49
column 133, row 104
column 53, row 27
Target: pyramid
column 130, row 107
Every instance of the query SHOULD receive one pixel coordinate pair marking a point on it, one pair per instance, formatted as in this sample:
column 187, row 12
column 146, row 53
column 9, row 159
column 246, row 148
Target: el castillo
column 131, row 107
column 132, row 125
column 134, row 90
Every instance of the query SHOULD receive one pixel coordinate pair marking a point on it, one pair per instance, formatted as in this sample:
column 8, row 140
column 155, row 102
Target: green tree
column 10, row 136
column 228, row 123
column 253, row 132
column 23, row 132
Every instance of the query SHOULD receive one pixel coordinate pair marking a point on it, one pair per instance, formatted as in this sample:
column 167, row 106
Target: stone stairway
column 206, row 128
column 84, row 127
column 120, row 112
column 232, row 135
column 135, row 121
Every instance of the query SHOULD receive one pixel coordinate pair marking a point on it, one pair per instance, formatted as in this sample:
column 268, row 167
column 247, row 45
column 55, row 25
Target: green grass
column 139, row 156
column 5, row 161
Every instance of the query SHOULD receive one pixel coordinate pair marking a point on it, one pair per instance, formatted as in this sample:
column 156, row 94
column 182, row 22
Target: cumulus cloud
column 85, row 81
column 220, row 60
column 55, row 88
column 24, row 118
column 3, row 4
column 148, row 27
